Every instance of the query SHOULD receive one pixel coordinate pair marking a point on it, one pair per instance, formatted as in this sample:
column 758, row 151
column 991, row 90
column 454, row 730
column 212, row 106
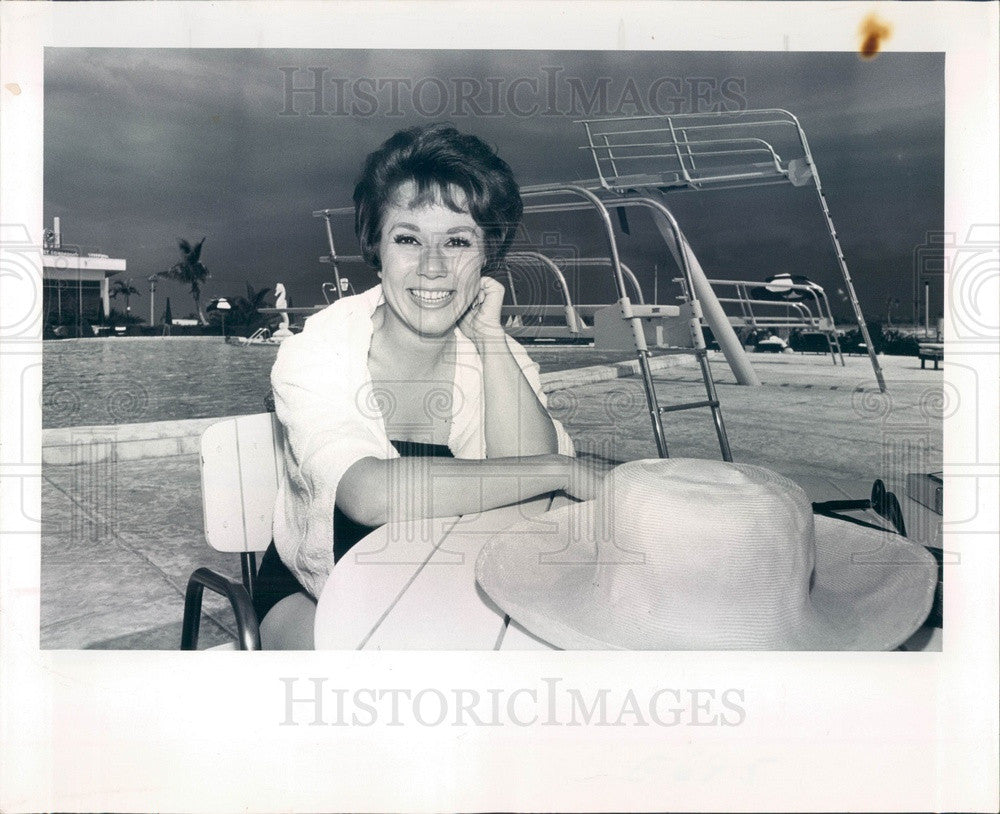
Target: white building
column 75, row 284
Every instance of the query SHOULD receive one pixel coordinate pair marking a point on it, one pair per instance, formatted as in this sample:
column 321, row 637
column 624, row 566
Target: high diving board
column 649, row 157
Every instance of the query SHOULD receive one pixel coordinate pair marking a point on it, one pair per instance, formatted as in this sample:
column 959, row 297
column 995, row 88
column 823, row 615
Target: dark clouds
column 144, row 146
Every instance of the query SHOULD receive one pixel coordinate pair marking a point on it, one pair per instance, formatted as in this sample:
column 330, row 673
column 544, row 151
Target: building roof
column 70, row 266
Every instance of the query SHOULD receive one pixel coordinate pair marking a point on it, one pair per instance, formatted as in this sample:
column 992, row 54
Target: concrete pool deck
column 121, row 536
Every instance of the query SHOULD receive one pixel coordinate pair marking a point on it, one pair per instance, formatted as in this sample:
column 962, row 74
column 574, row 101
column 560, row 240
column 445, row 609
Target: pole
column 716, row 318
column 333, row 255
column 79, row 299
column 927, row 308
column 152, row 311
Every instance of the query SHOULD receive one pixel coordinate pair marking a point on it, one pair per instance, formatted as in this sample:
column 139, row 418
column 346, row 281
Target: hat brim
column 871, row 590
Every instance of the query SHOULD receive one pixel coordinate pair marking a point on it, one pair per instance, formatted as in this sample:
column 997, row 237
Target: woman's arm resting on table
column 375, row 491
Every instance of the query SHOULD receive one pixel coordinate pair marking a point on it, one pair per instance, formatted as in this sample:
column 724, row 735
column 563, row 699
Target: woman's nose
column 432, row 263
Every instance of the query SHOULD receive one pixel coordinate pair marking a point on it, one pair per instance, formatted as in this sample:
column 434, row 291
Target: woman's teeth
column 428, row 297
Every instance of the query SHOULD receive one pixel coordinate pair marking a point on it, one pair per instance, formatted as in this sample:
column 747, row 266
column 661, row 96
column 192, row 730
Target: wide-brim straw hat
column 683, row 554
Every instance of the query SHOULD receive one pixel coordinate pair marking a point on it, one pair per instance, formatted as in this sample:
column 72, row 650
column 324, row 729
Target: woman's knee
column 289, row 624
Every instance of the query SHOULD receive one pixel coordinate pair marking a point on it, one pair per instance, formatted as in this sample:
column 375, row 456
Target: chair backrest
column 241, row 466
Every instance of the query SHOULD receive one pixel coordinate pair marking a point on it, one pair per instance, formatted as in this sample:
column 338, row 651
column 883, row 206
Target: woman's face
column 432, row 259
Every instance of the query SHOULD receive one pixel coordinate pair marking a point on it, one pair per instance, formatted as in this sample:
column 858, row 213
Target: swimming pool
column 127, row 381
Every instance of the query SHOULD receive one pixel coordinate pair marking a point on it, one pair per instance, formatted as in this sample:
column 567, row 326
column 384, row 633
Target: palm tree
column 191, row 272
column 245, row 309
column 123, row 288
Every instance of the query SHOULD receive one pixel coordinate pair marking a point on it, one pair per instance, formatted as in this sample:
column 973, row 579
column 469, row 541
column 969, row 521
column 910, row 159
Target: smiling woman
column 434, row 257
column 409, row 400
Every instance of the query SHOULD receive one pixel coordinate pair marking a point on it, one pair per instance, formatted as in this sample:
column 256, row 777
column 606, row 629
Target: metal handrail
column 602, row 205
column 603, row 261
column 572, row 319
column 806, row 317
column 682, row 149
column 594, row 202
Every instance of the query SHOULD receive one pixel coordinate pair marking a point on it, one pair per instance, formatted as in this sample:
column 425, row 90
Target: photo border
column 170, row 731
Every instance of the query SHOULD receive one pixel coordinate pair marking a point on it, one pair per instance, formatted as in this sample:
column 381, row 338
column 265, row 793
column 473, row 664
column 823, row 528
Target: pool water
column 127, row 381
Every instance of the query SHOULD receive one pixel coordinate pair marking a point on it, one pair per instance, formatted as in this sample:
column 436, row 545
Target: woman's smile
column 432, row 298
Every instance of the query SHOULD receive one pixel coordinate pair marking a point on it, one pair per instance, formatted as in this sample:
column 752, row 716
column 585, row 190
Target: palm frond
column 258, row 298
column 175, row 272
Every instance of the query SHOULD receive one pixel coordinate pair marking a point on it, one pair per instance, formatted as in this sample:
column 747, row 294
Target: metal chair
column 241, row 467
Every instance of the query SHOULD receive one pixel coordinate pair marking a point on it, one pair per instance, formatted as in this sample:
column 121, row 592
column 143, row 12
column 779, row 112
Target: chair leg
column 248, row 565
column 247, row 626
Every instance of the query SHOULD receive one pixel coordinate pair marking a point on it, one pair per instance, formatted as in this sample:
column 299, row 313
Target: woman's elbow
column 361, row 493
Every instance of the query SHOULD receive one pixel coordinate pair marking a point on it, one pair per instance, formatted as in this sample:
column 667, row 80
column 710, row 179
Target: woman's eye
column 459, row 241
column 405, row 240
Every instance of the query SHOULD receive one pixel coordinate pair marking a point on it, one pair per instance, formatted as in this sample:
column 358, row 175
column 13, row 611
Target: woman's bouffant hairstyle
column 438, row 159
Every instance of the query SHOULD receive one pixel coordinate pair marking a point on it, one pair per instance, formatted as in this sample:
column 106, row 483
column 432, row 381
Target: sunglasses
column 882, row 502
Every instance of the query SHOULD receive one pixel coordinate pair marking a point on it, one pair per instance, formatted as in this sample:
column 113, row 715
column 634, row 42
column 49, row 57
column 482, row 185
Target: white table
column 412, row 586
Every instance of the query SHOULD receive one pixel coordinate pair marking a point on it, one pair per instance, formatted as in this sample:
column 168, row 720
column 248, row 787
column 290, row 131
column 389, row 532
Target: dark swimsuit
column 275, row 581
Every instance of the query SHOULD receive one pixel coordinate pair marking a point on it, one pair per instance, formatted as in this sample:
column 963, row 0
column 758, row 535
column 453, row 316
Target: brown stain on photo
column 14, row 88
column 873, row 32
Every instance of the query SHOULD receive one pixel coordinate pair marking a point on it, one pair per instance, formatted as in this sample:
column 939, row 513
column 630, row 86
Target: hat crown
column 726, row 547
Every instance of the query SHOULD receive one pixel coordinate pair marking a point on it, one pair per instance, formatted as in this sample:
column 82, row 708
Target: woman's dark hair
column 438, row 158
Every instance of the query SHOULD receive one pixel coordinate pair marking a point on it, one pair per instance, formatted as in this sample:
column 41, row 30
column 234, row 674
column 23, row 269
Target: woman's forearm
column 516, row 423
column 376, row 491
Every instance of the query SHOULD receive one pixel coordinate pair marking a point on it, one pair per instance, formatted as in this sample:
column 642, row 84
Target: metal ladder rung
column 673, row 408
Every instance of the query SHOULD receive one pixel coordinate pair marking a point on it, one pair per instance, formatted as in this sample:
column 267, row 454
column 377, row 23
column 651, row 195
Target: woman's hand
column 586, row 477
column 481, row 321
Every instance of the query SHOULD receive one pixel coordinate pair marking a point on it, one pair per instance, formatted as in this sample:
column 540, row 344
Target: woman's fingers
column 491, row 295
column 482, row 320
column 586, row 478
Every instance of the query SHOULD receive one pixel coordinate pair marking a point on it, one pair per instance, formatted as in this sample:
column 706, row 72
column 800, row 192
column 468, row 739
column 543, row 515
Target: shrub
column 889, row 341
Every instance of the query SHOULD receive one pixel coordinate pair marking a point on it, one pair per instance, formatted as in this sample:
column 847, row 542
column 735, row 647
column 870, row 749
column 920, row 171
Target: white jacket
column 323, row 398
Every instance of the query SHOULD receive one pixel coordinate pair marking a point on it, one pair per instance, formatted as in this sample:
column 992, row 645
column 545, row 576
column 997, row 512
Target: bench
column 930, row 351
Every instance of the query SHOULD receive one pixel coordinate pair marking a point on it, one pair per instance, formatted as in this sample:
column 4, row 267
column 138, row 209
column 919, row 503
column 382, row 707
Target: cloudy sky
column 143, row 146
